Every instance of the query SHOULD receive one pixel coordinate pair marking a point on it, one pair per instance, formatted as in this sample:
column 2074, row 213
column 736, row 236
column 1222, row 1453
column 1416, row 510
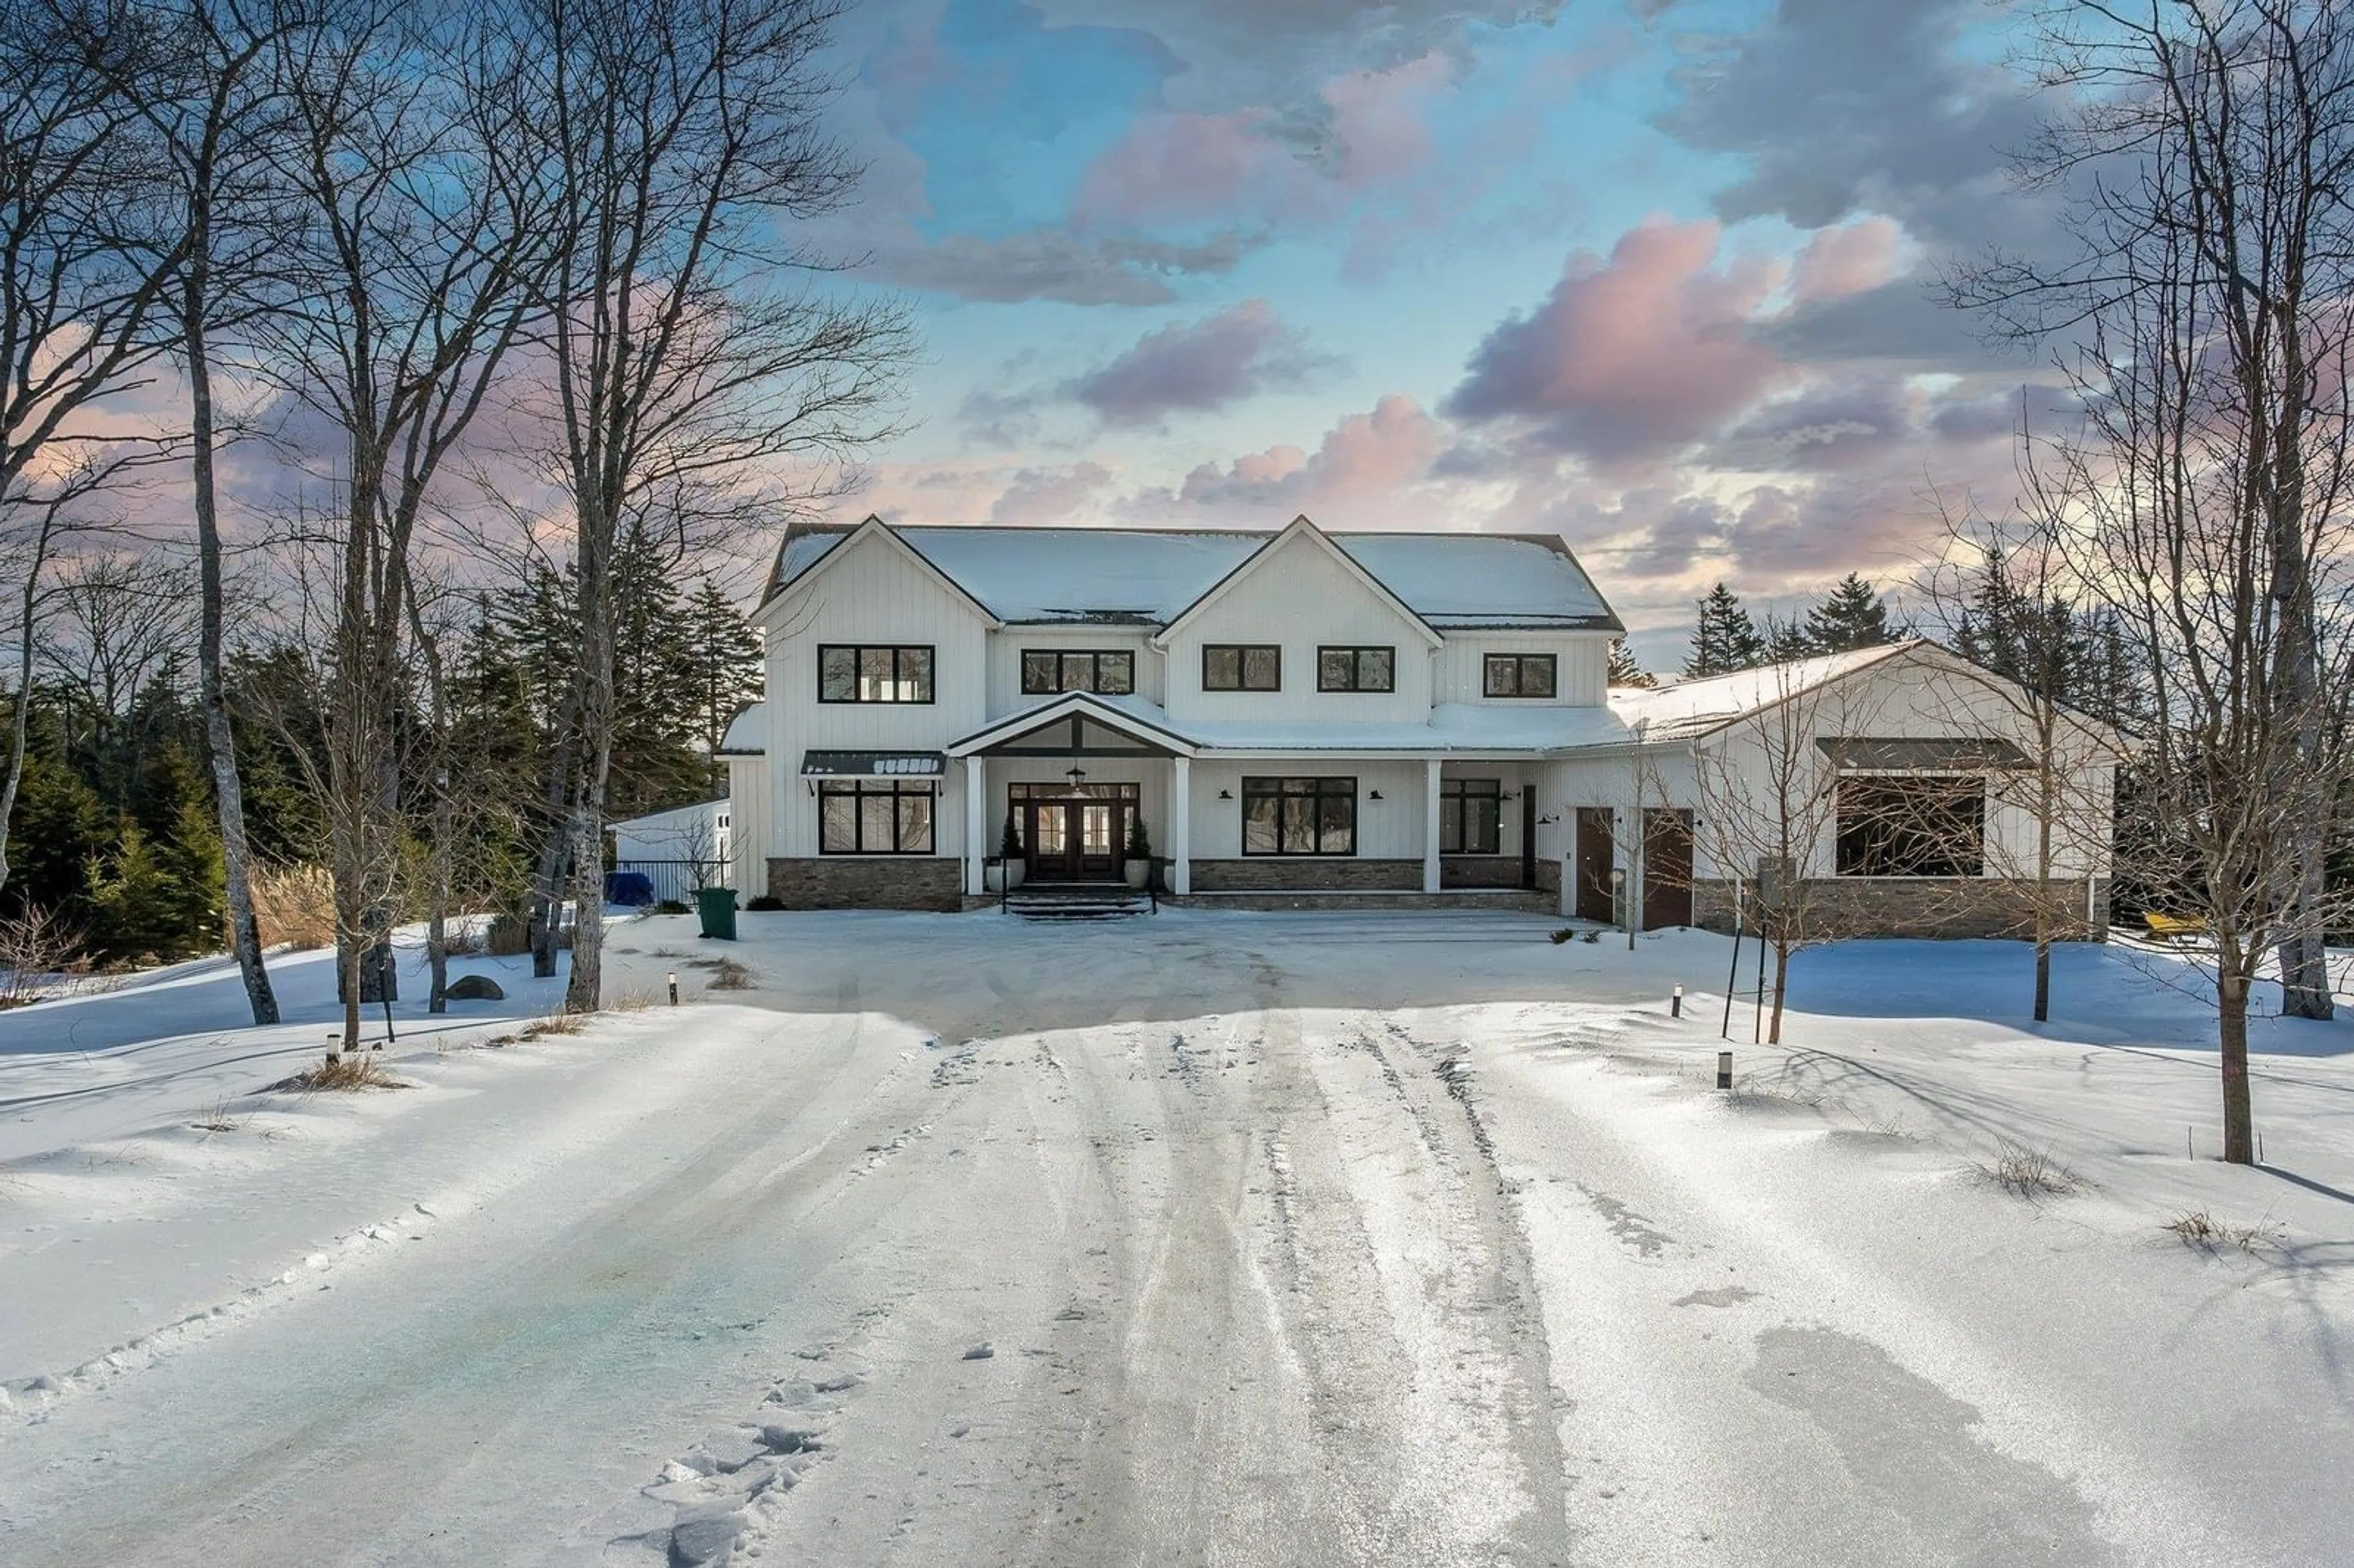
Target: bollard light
column 1724, row 1069
column 674, row 988
column 1676, row 1003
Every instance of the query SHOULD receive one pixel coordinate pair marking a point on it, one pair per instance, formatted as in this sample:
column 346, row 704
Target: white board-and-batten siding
column 1300, row 598
column 870, row 592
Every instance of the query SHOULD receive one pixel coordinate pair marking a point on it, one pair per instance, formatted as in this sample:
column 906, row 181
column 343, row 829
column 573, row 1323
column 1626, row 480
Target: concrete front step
column 1080, row 902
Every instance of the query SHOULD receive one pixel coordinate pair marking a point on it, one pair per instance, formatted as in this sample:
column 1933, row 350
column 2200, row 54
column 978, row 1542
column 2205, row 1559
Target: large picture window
column 1299, row 816
column 861, row 672
column 1109, row 671
column 1470, row 816
column 1519, row 675
column 1356, row 669
column 873, row 816
column 1242, row 667
column 1911, row 826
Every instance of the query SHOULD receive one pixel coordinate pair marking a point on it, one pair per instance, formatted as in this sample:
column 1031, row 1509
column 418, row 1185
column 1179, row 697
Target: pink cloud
column 1632, row 357
column 1849, row 260
column 1364, row 468
column 1183, row 167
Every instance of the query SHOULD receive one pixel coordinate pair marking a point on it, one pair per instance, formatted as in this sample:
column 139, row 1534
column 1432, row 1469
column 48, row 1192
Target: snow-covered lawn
column 1217, row 1238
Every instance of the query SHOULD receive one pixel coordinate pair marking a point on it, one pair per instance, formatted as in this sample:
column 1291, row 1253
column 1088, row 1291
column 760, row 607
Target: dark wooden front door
column 1667, row 869
column 1594, row 857
column 1077, row 840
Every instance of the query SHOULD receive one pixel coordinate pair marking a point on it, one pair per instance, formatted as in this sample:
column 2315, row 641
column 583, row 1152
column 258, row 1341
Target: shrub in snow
column 2029, row 1173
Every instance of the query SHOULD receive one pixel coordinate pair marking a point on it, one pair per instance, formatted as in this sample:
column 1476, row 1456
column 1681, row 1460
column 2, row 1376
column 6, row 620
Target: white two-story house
column 1287, row 714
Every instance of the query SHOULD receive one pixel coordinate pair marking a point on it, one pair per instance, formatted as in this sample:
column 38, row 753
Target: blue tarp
column 631, row 888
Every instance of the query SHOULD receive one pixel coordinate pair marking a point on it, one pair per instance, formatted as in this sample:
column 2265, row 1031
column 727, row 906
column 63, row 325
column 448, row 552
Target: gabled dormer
column 1298, row 628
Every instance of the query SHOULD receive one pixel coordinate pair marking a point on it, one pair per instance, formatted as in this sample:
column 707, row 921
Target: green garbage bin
column 715, row 907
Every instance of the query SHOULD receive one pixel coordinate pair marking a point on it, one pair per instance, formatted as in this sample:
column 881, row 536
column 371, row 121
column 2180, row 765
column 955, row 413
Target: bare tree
column 2213, row 145
column 2205, row 329
column 692, row 343
column 202, row 79
column 2037, row 661
column 1768, row 808
column 81, row 279
column 425, row 234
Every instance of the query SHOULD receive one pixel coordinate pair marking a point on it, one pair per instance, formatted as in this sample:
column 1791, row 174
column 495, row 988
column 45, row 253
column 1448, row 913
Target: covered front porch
column 1060, row 791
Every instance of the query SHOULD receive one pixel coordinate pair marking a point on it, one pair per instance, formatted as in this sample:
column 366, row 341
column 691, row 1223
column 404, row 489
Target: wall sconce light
column 1225, row 794
column 1510, row 795
column 1077, row 776
column 1374, row 795
column 1548, row 821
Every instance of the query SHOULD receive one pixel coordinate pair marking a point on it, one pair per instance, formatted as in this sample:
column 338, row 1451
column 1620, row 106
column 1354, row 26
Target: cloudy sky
column 1657, row 275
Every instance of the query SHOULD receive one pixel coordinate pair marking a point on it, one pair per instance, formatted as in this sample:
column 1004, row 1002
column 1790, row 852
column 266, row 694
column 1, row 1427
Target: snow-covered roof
column 678, row 819
column 748, row 732
column 1142, row 577
column 1684, row 710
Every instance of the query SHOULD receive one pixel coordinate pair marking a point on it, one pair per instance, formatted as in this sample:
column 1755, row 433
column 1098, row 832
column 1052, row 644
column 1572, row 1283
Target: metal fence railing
column 678, row 879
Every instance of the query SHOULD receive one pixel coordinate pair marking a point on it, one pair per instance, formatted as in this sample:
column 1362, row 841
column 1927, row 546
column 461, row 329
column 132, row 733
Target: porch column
column 1430, row 826
column 1181, row 824
column 976, row 822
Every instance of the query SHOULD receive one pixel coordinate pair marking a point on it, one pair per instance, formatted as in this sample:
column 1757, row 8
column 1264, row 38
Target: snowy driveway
column 1213, row 1239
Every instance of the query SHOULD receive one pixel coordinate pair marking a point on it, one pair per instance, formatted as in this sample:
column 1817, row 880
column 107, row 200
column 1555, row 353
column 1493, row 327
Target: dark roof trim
column 1966, row 754
column 873, row 763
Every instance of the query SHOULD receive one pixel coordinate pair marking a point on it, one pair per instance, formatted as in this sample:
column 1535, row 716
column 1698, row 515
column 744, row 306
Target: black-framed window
column 873, row 816
column 1242, row 667
column 1470, row 816
column 1911, row 826
column 1519, row 675
column 1356, row 669
column 1299, row 816
column 1108, row 671
column 873, row 672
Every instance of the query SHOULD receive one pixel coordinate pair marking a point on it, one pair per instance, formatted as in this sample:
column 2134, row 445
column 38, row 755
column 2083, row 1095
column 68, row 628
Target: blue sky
column 1659, row 277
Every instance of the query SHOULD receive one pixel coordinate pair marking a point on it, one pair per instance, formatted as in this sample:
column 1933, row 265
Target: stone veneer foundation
column 1307, row 874
column 1927, row 906
column 868, row 882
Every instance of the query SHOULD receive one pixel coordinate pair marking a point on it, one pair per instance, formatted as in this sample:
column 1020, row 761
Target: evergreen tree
column 1724, row 638
column 151, row 901
column 1852, row 617
column 1625, row 671
column 724, row 664
column 656, row 718
column 1786, row 640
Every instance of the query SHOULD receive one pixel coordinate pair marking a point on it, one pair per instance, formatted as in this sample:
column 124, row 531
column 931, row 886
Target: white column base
column 1181, row 825
column 1430, row 874
column 976, row 824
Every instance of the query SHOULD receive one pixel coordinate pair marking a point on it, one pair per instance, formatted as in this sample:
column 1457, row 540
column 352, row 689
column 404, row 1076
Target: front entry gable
column 1078, row 724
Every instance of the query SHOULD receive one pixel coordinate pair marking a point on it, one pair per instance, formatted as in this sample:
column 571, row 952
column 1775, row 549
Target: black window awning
column 873, row 763
column 1958, row 754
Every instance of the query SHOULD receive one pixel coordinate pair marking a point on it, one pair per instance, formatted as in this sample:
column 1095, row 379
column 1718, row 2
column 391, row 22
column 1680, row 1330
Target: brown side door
column 1667, row 869
column 1595, row 854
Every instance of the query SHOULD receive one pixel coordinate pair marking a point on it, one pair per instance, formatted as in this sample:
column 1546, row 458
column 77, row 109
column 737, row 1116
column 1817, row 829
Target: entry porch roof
column 1452, row 729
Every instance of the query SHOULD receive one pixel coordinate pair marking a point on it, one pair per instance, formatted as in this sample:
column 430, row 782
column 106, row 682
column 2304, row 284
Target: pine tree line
column 1726, row 637
column 114, row 831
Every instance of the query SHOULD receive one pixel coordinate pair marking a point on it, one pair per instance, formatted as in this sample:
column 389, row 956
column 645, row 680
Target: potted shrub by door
column 1139, row 866
column 1004, row 874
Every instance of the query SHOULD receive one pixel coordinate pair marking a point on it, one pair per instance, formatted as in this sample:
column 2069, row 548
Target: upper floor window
column 1111, row 673
column 864, row 673
column 1242, row 667
column 1356, row 669
column 1470, row 816
column 1519, row 675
